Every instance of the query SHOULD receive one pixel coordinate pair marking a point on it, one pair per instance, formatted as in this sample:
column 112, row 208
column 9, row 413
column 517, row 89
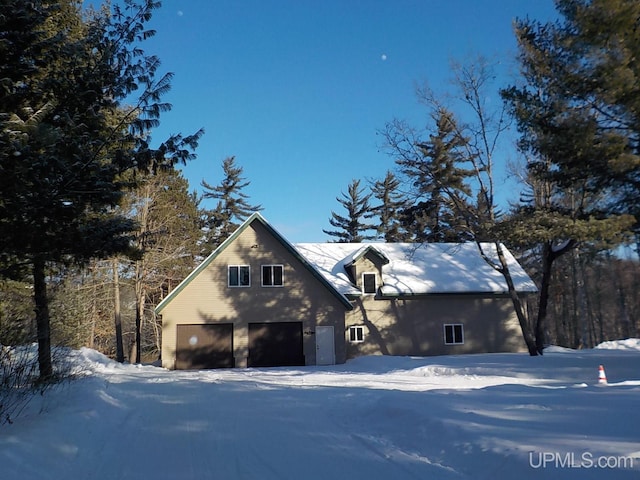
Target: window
column 368, row 283
column 356, row 334
column 239, row 276
column 453, row 334
column 272, row 275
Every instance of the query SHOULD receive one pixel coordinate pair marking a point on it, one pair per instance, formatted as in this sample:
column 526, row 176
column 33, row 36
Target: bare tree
column 476, row 146
column 168, row 237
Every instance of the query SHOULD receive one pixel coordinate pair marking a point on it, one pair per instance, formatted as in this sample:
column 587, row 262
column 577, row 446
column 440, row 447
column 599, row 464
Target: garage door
column 276, row 344
column 204, row 346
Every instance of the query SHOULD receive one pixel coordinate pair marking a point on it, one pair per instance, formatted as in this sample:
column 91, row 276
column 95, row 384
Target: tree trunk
column 549, row 255
column 93, row 309
column 586, row 307
column 626, row 325
column 116, row 309
column 138, row 334
column 140, row 304
column 517, row 304
column 42, row 319
column 132, row 353
column 547, row 261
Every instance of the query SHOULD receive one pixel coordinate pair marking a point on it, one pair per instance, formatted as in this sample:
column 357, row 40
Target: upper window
column 368, row 283
column 453, row 334
column 272, row 275
column 239, row 276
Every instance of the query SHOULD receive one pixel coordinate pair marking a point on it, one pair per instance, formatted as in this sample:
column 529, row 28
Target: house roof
column 255, row 217
column 407, row 268
column 419, row 269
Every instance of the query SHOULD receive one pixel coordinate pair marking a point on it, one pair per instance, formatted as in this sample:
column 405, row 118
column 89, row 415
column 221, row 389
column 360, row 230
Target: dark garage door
column 276, row 344
column 204, row 346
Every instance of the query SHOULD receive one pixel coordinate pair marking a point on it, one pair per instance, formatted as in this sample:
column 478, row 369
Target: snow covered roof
column 407, row 268
column 417, row 269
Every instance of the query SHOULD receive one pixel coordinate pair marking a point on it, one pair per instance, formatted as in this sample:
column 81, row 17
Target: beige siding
column 415, row 326
column 208, row 299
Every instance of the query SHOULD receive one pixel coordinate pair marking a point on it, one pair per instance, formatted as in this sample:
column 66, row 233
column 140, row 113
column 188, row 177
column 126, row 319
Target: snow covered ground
column 476, row 416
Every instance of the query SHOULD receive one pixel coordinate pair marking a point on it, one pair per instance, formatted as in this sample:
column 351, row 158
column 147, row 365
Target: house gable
column 255, row 217
column 253, row 302
column 364, row 266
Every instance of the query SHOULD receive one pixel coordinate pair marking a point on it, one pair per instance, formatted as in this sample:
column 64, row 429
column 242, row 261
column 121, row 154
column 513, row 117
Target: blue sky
column 297, row 90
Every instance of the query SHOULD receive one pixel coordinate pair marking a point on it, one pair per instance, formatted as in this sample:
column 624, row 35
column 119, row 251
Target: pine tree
column 67, row 138
column 440, row 184
column 232, row 207
column 352, row 227
column 594, row 54
column 578, row 148
column 392, row 202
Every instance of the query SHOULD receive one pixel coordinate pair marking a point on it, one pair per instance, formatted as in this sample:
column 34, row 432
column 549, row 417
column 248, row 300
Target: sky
column 298, row 91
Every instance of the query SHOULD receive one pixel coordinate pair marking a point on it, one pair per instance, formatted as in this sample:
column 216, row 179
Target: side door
column 325, row 346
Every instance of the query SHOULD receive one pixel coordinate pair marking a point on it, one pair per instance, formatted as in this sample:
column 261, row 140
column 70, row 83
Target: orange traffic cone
column 602, row 378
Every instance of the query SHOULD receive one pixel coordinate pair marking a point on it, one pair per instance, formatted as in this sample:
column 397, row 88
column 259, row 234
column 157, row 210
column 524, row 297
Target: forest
column 97, row 224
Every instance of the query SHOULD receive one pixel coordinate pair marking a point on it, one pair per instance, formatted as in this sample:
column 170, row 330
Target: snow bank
column 630, row 344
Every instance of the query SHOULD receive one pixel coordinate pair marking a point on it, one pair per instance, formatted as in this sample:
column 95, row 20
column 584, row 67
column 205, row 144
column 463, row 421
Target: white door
column 325, row 346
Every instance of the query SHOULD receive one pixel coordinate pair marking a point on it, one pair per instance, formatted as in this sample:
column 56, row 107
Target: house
column 259, row 300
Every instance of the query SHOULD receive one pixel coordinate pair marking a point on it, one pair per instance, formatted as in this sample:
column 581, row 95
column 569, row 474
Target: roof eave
column 395, row 295
column 205, row 263
column 369, row 248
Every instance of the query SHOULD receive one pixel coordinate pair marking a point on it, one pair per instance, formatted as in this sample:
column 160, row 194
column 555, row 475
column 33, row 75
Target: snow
column 473, row 416
column 419, row 268
column 632, row 344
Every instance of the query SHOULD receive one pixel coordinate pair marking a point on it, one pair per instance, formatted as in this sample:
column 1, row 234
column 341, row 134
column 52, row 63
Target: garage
column 204, row 346
column 276, row 344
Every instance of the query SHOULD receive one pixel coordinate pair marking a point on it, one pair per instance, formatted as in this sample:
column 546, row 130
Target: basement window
column 453, row 334
column 272, row 275
column 356, row 334
column 369, row 283
column 239, row 276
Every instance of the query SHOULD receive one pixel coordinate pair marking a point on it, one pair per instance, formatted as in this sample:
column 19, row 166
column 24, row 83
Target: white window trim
column 375, row 279
column 356, row 327
column 262, row 273
column 453, row 325
column 229, row 267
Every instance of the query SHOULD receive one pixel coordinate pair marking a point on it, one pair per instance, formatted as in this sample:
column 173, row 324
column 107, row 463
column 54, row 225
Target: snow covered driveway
column 477, row 416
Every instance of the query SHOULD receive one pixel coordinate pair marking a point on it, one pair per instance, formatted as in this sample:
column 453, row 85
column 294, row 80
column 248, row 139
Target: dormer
column 364, row 268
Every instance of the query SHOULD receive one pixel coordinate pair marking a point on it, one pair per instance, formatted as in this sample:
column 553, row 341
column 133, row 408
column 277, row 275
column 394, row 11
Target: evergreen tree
column 67, row 139
column 580, row 142
column 440, row 184
column 595, row 54
column 392, row 202
column 16, row 313
column 352, row 227
column 232, row 207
